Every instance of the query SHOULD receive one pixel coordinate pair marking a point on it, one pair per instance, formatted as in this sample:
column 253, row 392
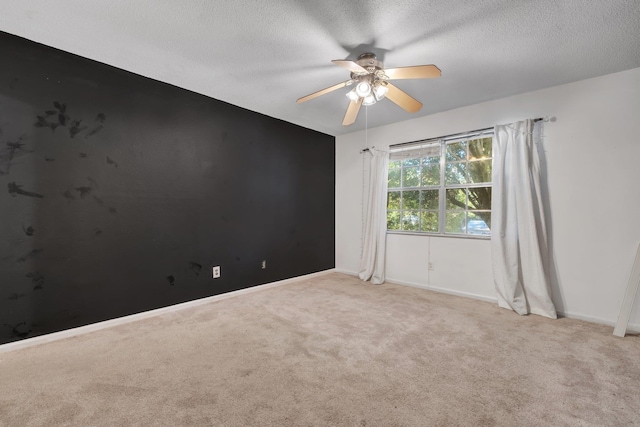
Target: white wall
column 592, row 185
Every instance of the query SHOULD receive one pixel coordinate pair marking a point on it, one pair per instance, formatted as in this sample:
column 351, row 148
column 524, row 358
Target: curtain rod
column 364, row 150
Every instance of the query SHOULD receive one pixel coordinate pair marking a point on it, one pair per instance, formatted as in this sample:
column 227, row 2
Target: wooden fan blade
column 350, row 65
column 403, row 100
column 322, row 92
column 352, row 112
column 416, row 72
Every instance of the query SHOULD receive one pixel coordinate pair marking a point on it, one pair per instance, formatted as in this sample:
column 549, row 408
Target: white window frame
column 441, row 187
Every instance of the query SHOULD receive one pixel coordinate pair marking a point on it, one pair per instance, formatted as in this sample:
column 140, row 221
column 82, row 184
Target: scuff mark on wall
column 16, row 332
column 15, row 189
column 53, row 119
column 13, row 150
column 111, row 162
column 195, row 267
column 76, row 128
column 84, row 191
column 29, row 231
column 33, row 253
column 15, row 296
column 67, row 195
column 37, row 279
column 100, row 118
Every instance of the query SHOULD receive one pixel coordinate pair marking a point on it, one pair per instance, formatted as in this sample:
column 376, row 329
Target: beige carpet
column 332, row 351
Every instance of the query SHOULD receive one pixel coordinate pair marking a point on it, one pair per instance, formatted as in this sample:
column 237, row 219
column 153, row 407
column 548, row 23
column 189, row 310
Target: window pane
column 456, row 199
column 456, row 151
column 394, row 164
column 394, row 178
column 455, row 173
column 480, row 148
column 410, row 200
column 480, row 198
column 429, row 199
column 485, row 216
column 393, row 220
column 411, row 177
column 411, row 162
column 480, row 171
column 432, row 160
column 429, row 222
column 410, row 220
column 477, row 223
column 431, row 175
column 393, row 200
column 455, row 222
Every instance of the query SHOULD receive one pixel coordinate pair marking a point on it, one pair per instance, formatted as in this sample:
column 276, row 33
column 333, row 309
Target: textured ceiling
column 263, row 55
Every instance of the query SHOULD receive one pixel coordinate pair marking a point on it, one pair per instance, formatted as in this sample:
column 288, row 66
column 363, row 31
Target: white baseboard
column 68, row 333
column 631, row 327
column 349, row 272
column 443, row 290
column 427, row 287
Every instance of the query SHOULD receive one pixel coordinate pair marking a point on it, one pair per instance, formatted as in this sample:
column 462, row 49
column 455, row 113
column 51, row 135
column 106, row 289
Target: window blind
column 431, row 147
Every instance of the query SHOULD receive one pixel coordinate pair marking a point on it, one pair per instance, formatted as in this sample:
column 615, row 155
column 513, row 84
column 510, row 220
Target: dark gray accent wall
column 119, row 193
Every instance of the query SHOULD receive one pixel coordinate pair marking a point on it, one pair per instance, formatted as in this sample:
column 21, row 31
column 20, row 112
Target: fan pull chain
column 362, row 209
column 366, row 144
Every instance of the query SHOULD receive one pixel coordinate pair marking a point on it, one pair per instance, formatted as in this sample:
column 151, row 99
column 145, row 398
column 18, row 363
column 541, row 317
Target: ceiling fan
column 372, row 84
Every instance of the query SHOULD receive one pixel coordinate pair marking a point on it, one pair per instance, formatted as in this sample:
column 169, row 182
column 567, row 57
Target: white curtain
column 375, row 220
column 518, row 235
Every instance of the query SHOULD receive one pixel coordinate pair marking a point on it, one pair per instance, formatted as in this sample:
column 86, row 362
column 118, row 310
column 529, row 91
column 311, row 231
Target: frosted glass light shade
column 352, row 95
column 380, row 92
column 369, row 100
column 363, row 89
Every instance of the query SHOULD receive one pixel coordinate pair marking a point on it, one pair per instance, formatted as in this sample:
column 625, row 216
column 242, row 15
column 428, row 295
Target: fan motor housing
column 375, row 69
column 369, row 60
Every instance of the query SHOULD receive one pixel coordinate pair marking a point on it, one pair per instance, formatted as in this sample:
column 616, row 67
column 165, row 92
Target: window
column 441, row 187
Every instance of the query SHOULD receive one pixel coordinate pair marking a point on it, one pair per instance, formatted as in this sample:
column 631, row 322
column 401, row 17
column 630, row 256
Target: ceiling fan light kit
column 372, row 84
column 369, row 93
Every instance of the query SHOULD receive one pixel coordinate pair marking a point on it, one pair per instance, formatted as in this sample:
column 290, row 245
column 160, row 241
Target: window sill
column 455, row 236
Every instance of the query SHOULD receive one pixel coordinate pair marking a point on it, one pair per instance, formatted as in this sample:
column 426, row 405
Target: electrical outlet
column 216, row 272
column 431, row 266
column 264, row 264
